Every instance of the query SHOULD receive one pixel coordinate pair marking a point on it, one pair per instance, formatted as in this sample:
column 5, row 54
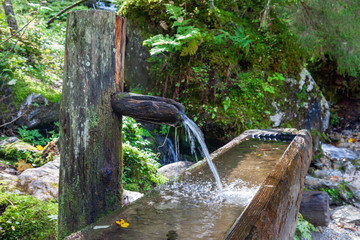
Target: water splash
column 237, row 193
column 193, row 130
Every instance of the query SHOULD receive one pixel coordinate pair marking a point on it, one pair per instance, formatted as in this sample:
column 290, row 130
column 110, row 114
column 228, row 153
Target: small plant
column 334, row 118
column 140, row 163
column 186, row 40
column 32, row 136
column 334, row 194
column 140, row 169
column 303, row 229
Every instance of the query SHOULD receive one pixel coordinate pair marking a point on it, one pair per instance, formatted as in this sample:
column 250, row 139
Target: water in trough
column 191, row 207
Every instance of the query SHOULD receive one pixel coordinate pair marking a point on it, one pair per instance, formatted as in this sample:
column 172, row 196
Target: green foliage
column 334, row 118
column 218, row 62
column 34, row 60
column 32, row 136
column 140, row 163
column 26, row 217
column 13, row 156
column 334, row 194
column 140, row 167
column 133, row 134
column 329, row 29
column 186, row 40
column 303, row 229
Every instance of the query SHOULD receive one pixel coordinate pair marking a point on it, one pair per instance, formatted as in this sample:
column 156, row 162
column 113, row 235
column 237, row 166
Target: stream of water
column 193, row 130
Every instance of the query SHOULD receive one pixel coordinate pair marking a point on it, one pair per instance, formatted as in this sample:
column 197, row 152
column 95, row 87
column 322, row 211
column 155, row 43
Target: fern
column 186, row 40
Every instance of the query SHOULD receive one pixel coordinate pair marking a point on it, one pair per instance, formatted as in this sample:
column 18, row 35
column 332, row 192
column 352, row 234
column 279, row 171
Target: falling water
column 169, row 156
column 193, row 130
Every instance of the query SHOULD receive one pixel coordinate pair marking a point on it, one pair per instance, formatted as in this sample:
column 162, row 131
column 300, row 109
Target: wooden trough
column 271, row 214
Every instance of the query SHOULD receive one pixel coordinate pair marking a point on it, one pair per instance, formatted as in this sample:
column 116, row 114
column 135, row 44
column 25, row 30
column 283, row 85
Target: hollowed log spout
column 148, row 108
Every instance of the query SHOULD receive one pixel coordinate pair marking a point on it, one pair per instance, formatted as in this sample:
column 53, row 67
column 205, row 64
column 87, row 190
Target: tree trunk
column 148, row 108
column 90, row 137
column 315, row 207
column 10, row 16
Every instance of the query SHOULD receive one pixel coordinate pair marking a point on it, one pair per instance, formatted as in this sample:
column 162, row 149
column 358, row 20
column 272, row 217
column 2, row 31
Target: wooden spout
column 147, row 108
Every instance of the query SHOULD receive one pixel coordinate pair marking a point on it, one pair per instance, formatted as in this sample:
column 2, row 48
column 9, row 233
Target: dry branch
column 64, row 10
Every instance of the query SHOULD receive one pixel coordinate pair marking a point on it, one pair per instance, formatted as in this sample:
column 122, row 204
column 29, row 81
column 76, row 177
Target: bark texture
column 90, row 137
column 148, row 108
column 10, row 16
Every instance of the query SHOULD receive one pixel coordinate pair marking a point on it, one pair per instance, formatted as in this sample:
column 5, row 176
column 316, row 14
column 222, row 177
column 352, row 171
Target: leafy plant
column 303, row 229
column 140, row 167
column 334, row 194
column 334, row 118
column 32, row 136
column 140, row 163
column 186, row 40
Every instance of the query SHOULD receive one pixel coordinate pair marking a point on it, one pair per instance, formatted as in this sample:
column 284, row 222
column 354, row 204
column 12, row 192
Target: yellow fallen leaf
column 259, row 155
column 352, row 140
column 22, row 165
column 122, row 223
column 39, row 147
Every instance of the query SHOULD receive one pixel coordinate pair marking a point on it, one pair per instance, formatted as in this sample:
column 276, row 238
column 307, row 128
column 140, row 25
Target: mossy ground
column 26, row 217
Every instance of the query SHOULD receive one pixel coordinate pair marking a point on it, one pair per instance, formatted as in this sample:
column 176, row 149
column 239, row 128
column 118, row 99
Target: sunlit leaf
column 122, row 223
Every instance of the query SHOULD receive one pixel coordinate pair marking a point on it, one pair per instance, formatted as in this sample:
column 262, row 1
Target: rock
column 313, row 183
column 354, row 184
column 42, row 182
column 349, row 169
column 131, row 196
column 323, row 163
column 8, row 140
column 335, row 153
column 346, row 214
column 313, row 110
column 18, row 145
column 38, row 115
column 329, row 174
column 174, row 169
column 6, row 177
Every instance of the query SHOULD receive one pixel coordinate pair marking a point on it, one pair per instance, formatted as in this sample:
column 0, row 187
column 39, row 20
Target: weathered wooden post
column 90, row 140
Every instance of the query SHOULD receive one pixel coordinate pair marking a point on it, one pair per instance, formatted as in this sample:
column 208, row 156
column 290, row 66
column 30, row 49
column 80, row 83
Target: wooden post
column 90, row 135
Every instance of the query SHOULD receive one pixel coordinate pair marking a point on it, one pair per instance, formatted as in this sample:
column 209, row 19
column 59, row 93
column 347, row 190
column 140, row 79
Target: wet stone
column 335, row 153
column 174, row 169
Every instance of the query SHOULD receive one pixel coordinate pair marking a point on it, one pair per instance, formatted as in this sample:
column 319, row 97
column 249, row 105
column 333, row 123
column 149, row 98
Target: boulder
column 131, row 196
column 305, row 105
column 42, row 182
column 336, row 153
column 37, row 112
column 346, row 214
column 174, row 169
column 17, row 145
